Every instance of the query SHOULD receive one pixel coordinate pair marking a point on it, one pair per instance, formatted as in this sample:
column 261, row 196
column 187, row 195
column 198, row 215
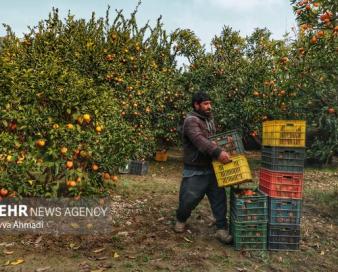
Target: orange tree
column 314, row 74
column 244, row 76
column 78, row 99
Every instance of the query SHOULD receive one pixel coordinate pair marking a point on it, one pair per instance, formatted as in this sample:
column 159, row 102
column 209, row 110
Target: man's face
column 204, row 107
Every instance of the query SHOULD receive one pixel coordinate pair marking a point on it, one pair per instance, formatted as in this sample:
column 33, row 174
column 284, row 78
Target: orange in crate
column 161, row 155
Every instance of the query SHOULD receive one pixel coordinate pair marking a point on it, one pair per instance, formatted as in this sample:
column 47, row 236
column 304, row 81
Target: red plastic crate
column 281, row 184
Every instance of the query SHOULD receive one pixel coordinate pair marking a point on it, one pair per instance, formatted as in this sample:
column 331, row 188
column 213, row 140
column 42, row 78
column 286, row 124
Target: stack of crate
column 281, row 178
column 248, row 208
column 248, row 221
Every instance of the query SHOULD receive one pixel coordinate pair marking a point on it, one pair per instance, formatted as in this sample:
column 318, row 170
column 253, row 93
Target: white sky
column 205, row 17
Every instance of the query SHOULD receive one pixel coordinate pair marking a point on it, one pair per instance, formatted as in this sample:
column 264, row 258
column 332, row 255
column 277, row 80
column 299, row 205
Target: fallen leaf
column 98, row 250
column 8, row 252
column 18, row 261
column 74, row 246
column 6, row 263
column 97, row 270
column 322, row 253
column 38, row 240
column 115, row 255
column 43, row 269
column 74, row 225
column 186, row 239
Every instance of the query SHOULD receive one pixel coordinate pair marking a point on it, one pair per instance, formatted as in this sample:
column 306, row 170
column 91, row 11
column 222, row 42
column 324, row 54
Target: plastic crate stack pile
column 248, row 219
column 281, row 178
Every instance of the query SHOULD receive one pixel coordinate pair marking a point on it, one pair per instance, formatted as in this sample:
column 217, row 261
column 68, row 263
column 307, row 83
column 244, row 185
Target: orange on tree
column 95, row 167
column 114, row 178
column 106, row 176
column 71, row 183
column 86, row 118
column 40, row 143
column 3, row 192
column 70, row 126
column 331, row 110
column 63, row 150
column 98, row 129
column 69, row 164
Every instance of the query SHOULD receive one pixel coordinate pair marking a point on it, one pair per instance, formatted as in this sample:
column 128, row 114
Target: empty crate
column 138, row 167
column 235, row 172
column 281, row 184
column 230, row 141
column 284, row 133
column 283, row 237
column 283, row 159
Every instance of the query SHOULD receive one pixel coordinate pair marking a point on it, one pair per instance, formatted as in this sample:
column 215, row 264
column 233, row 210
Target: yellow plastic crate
column 287, row 133
column 235, row 172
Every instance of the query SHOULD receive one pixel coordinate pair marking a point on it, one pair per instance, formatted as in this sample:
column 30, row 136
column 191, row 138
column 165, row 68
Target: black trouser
column 192, row 191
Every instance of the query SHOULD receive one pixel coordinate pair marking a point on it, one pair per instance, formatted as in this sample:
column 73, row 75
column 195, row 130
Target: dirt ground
column 143, row 237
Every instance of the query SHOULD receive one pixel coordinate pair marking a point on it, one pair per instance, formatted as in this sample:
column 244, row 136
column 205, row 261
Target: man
column 198, row 175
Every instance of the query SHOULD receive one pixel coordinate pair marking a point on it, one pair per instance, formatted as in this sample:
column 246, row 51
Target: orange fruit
column 86, row 118
column 71, row 183
column 331, row 110
column 95, row 167
column 3, row 192
column 55, row 126
column 320, row 34
column 40, row 143
column 98, row 129
column 69, row 126
column 64, row 150
column 106, row 176
column 114, row 178
column 314, row 40
column 255, row 93
column 69, row 164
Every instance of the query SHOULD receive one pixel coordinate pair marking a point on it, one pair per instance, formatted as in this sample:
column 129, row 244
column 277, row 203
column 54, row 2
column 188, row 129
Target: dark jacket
column 198, row 150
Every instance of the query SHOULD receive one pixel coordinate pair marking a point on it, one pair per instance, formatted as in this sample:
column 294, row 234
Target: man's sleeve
column 193, row 131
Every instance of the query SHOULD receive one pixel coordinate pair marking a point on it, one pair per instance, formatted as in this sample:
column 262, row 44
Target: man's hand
column 224, row 157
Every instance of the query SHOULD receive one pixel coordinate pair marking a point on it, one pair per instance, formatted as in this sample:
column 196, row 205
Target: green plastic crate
column 248, row 208
column 249, row 235
column 230, row 141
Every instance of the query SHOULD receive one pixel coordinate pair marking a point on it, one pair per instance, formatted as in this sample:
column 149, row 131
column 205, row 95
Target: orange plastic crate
column 281, row 184
column 161, row 155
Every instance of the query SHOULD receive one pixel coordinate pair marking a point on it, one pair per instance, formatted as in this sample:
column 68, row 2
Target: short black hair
column 199, row 97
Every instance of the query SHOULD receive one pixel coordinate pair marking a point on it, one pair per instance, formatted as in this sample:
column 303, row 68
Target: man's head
column 201, row 103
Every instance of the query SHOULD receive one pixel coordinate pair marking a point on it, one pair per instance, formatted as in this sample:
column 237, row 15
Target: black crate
column 230, row 141
column 138, row 167
column 283, row 159
column 246, row 208
column 283, row 237
column 284, row 210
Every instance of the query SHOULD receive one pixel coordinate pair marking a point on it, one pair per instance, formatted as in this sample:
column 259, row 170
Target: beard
column 207, row 114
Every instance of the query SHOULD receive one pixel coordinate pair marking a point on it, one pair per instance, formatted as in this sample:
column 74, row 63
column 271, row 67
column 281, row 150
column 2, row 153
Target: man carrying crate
column 198, row 175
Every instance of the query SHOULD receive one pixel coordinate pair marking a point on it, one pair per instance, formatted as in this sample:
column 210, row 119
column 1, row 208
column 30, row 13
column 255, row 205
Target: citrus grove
column 78, row 98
